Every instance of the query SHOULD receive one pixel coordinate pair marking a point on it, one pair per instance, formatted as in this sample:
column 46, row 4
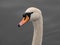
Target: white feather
column 37, row 21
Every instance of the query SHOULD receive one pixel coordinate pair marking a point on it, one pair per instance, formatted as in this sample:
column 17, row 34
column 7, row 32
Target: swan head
column 31, row 14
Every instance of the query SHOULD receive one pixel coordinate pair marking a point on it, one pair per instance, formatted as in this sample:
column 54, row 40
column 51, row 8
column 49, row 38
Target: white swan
column 34, row 14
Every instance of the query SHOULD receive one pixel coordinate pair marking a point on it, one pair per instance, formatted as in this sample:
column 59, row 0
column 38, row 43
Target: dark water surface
column 11, row 13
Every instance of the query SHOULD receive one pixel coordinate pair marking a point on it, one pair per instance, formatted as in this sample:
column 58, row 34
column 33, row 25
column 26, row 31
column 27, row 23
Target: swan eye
column 27, row 14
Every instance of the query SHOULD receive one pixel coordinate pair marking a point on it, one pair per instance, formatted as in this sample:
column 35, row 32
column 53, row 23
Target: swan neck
column 38, row 32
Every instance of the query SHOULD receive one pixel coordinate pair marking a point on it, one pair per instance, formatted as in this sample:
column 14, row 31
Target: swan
column 35, row 15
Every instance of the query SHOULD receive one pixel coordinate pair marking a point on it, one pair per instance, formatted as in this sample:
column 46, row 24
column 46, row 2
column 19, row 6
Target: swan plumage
column 34, row 14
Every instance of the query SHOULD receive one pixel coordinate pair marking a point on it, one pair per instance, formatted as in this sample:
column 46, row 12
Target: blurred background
column 11, row 13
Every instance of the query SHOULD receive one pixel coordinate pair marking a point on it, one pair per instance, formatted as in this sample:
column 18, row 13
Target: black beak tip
column 18, row 25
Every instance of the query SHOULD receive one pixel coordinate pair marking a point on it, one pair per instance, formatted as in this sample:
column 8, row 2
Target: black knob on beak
column 18, row 25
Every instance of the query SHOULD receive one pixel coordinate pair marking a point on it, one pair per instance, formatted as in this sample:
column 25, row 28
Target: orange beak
column 23, row 21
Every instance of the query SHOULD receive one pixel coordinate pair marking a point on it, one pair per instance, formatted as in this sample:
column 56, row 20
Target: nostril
column 18, row 25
